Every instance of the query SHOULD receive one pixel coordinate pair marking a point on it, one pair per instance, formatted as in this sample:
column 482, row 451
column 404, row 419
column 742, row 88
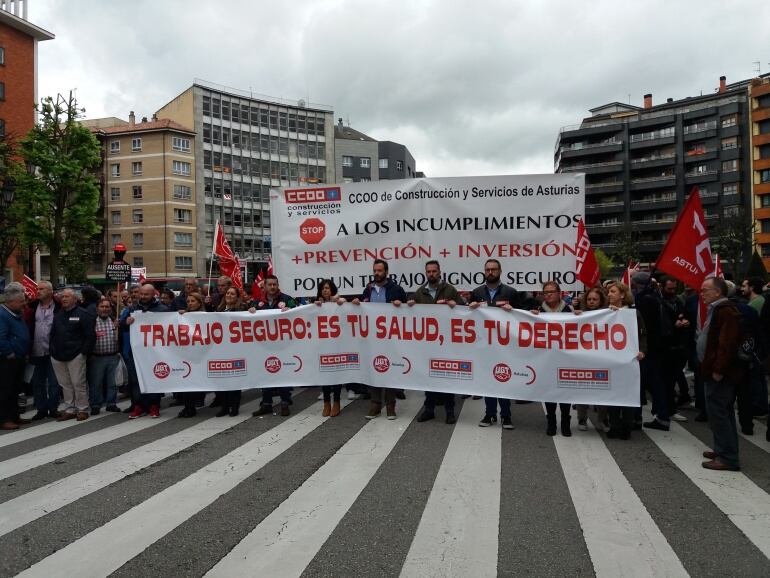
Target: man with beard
column 382, row 289
column 274, row 299
column 495, row 294
column 442, row 293
column 142, row 402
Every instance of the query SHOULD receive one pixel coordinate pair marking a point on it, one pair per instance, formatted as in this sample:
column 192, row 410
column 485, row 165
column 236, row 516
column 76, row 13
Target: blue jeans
column 101, row 380
column 45, row 388
column 491, row 406
column 720, row 401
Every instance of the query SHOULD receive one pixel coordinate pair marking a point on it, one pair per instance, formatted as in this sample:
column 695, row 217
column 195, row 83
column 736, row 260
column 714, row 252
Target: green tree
column 626, row 246
column 58, row 198
column 9, row 235
column 733, row 240
column 756, row 267
column 604, row 262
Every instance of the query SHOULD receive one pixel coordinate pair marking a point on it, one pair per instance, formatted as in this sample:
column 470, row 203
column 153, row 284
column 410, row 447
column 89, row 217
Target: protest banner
column 527, row 222
column 561, row 357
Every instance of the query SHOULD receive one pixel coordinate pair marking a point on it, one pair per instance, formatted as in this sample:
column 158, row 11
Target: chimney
column 648, row 101
column 131, row 118
column 669, row 99
column 339, row 123
column 154, row 117
column 144, row 119
column 722, row 83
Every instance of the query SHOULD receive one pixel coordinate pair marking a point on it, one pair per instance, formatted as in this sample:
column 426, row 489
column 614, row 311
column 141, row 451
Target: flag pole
column 213, row 247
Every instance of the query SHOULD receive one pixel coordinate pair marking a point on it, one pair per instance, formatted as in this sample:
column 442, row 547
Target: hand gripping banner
column 559, row 357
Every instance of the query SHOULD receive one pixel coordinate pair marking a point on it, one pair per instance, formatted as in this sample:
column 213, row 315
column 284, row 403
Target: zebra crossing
column 313, row 496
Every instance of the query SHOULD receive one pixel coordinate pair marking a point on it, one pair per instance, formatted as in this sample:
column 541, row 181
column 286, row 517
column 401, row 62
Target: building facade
column 759, row 93
column 246, row 144
column 148, row 195
column 19, row 40
column 395, row 162
column 642, row 162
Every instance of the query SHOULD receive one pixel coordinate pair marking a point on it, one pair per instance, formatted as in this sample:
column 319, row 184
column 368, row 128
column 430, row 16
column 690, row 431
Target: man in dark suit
column 495, row 294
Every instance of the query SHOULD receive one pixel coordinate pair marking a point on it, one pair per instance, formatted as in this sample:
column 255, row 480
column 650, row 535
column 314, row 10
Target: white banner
column 527, row 222
column 561, row 357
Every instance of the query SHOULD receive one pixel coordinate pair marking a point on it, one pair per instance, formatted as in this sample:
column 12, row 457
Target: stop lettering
column 312, row 231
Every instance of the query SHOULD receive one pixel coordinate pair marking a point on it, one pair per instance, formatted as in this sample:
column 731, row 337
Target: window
column 728, row 121
column 183, row 263
column 730, row 143
column 180, row 144
column 347, row 161
column 115, row 240
column 136, row 168
column 181, row 168
column 115, row 170
column 731, row 189
column 183, row 192
column 765, row 201
column 183, row 239
column 138, row 240
column 182, row 216
column 2, row 91
column 733, row 211
column 383, row 163
column 2, row 127
column 366, row 162
column 136, row 192
column 2, row 55
column 137, row 216
column 138, row 261
column 765, row 250
column 115, row 215
column 728, row 166
column 136, row 144
column 399, row 165
column 765, row 225
column 764, row 176
column 115, row 194
column 114, row 147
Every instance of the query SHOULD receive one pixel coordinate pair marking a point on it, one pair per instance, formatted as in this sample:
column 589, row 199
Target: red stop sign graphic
column 312, row 231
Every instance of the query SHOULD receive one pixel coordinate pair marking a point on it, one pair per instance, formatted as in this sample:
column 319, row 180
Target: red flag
column 232, row 268
column 256, row 289
column 30, row 287
column 270, row 265
column 586, row 267
column 718, row 267
column 687, row 254
column 630, row 270
column 228, row 262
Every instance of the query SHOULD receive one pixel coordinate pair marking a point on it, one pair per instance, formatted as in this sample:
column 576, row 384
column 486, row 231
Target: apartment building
column 759, row 93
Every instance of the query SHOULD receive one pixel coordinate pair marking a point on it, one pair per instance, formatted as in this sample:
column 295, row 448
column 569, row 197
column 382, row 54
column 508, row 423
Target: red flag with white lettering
column 687, row 253
column 630, row 270
column 30, row 287
column 221, row 246
column 718, row 267
column 586, row 267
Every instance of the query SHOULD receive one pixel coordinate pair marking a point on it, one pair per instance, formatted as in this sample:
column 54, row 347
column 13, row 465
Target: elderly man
column 104, row 360
column 72, row 341
column 717, row 348
column 180, row 301
column 223, row 284
column 39, row 317
column 14, row 344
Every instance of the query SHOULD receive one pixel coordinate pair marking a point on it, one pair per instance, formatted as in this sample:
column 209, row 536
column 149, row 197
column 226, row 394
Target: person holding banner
column 553, row 303
column 592, row 300
column 231, row 399
column 619, row 296
column 274, row 299
column 495, row 294
column 142, row 402
column 442, row 293
column 382, row 289
column 192, row 399
column 327, row 293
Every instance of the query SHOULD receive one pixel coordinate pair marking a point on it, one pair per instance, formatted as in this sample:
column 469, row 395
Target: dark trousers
column 490, row 404
column 192, row 399
column 434, row 397
column 652, row 379
column 269, row 392
column 720, row 400
column 231, row 398
column 11, row 384
column 379, row 394
column 550, row 409
column 744, row 402
column 328, row 390
column 45, row 388
column 672, row 366
column 143, row 400
column 621, row 418
column 700, row 395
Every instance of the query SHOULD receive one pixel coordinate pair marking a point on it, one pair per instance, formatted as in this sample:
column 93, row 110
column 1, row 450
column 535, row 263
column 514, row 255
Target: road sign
column 118, row 271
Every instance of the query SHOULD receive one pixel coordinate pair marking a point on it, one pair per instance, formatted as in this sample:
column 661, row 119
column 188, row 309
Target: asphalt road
column 313, row 496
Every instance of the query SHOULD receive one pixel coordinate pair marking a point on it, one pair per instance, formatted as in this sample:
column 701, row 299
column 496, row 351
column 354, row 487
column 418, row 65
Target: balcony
column 653, row 182
column 695, row 177
column 668, row 202
column 653, row 161
column 599, row 208
column 604, row 187
column 700, row 154
column 580, row 149
column 594, row 168
column 700, row 127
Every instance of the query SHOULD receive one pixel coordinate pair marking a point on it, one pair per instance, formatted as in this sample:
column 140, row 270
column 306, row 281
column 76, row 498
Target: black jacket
column 72, row 334
column 444, row 291
column 505, row 295
column 393, row 292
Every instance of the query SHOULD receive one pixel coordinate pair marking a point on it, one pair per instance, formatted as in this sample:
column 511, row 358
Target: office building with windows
column 247, row 144
column 642, row 162
column 148, row 195
column 396, row 162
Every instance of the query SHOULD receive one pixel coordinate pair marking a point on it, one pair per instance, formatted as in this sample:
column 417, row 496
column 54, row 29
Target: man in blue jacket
column 14, row 344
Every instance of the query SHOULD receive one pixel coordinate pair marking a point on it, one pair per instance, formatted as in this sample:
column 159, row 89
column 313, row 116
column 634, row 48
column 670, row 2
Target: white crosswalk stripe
column 456, row 508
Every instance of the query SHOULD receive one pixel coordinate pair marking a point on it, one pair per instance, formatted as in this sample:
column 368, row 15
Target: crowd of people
column 76, row 346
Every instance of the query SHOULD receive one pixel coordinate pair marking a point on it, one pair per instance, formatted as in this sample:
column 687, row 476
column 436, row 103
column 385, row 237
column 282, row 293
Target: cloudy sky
column 470, row 87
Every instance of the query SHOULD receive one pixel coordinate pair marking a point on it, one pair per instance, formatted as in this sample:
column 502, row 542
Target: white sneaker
column 321, row 396
column 678, row 417
column 352, row 395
